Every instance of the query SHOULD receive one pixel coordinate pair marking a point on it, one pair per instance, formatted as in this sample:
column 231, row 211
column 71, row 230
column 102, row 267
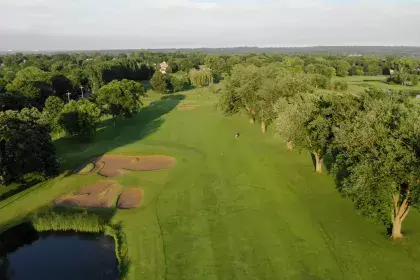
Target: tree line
column 370, row 140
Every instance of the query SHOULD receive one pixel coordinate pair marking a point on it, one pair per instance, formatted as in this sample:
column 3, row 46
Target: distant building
column 163, row 67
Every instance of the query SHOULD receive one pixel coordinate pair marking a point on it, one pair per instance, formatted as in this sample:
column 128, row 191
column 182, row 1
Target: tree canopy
column 120, row 98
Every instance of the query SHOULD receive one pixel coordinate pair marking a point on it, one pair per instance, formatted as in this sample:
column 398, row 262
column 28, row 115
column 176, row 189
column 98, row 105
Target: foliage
column 80, row 118
column 399, row 77
column 200, row 78
column 51, row 113
column 25, row 146
column 414, row 80
column 342, row 67
column 32, row 83
column 320, row 69
column 120, row 98
column 377, row 161
column 321, row 81
column 341, row 85
column 179, row 81
column 158, row 82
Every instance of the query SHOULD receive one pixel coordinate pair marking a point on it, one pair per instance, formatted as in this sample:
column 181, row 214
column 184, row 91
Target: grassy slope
column 231, row 209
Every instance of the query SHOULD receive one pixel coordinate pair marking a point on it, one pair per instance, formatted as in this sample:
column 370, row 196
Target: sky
column 136, row 24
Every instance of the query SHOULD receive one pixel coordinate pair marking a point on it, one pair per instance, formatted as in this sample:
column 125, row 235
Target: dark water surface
column 26, row 254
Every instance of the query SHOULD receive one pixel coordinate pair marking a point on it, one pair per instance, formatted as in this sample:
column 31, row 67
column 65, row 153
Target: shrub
column 320, row 81
column 414, row 80
column 179, row 81
column 341, row 85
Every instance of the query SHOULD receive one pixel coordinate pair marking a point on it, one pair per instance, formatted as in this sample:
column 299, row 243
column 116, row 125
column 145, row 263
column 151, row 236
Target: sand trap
column 96, row 188
column 188, row 107
column 130, row 198
column 99, row 195
column 113, row 165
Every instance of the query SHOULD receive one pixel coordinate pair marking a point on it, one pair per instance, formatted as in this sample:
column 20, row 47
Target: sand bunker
column 113, row 165
column 99, row 195
column 130, row 198
column 188, row 107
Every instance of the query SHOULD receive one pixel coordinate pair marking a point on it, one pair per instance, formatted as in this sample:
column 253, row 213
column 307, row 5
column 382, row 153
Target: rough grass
column 68, row 221
column 89, row 167
column 230, row 209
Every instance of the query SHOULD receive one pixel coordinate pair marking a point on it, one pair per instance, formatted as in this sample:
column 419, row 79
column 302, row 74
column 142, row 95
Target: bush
column 414, row 80
column 179, row 81
column 320, row 81
column 341, row 85
column 80, row 118
column 201, row 77
column 158, row 82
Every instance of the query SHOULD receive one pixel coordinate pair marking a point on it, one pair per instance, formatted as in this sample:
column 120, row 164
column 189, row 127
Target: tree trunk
column 399, row 213
column 396, row 229
column 263, row 127
column 289, row 145
column 318, row 163
column 252, row 120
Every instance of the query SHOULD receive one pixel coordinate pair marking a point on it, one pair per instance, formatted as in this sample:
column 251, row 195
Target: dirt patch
column 113, row 165
column 96, row 188
column 99, row 195
column 188, row 107
column 130, row 198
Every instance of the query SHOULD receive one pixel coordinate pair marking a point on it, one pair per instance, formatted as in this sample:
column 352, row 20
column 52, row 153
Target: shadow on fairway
column 74, row 151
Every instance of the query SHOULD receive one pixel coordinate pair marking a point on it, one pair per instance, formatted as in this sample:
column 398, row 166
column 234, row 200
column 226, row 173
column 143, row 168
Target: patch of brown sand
column 130, row 198
column 113, row 165
column 99, row 195
column 95, row 188
column 188, row 107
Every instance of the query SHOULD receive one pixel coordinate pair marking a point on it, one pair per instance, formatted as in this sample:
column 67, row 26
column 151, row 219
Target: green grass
column 359, row 83
column 230, row 209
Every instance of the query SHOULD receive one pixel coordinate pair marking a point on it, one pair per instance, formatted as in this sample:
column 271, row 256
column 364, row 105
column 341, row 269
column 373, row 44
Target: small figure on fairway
column 236, row 135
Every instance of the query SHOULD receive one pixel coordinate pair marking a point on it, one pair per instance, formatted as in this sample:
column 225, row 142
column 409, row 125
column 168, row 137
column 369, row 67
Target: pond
column 28, row 254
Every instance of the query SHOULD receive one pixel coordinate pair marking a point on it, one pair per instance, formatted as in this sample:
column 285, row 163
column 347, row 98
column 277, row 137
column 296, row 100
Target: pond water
column 28, row 254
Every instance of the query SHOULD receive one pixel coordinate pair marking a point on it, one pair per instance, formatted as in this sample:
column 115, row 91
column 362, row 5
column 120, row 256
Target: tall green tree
column 120, row 98
column 342, row 67
column 200, row 78
column 307, row 122
column 179, row 81
column 32, row 83
column 240, row 91
column 158, row 82
column 378, row 161
column 51, row 113
column 25, row 148
column 80, row 118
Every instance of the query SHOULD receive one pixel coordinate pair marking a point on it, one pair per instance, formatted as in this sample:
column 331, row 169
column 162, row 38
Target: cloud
column 213, row 23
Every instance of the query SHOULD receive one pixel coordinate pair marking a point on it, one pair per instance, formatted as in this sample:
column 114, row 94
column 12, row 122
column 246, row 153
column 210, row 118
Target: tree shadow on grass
column 72, row 151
